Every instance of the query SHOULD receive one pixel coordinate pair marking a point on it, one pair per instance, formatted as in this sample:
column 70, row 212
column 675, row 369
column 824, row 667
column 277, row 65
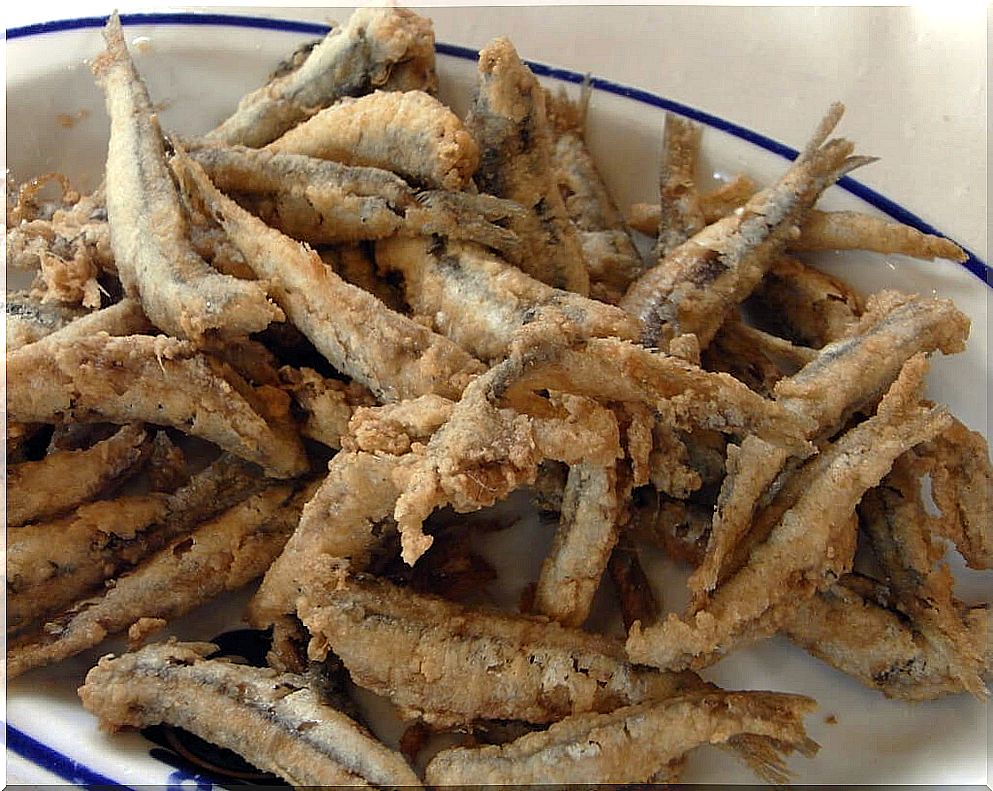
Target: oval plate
column 56, row 121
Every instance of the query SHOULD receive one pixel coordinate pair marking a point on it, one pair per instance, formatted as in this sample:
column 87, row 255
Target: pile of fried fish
column 300, row 346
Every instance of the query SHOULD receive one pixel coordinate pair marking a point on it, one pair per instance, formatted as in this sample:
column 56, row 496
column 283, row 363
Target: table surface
column 914, row 79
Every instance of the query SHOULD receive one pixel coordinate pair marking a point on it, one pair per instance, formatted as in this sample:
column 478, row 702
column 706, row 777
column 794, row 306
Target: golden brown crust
column 440, row 278
column 122, row 318
column 494, row 665
column 696, row 284
column 899, row 529
column 324, row 202
column 220, row 554
column 849, row 230
column 358, row 496
column 386, row 47
column 410, row 133
column 64, row 479
column 159, row 380
column 102, row 539
column 810, row 546
column 630, row 744
column 392, row 355
column 508, row 121
column 274, row 720
column 149, row 232
column 610, row 256
column 962, row 486
column 328, row 404
column 394, row 427
column 851, row 629
column 587, row 532
column 680, row 212
column 44, row 576
column 28, row 319
column 68, row 245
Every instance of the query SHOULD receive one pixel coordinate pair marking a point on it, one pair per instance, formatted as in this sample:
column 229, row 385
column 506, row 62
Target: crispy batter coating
column 508, row 121
column 323, row 202
column 31, row 200
column 394, row 427
column 159, row 380
column 810, row 545
column 696, row 285
column 670, row 471
column 212, row 243
column 45, row 575
column 485, row 450
column 856, row 630
column 122, row 318
column 480, row 302
column 741, row 494
column 899, row 528
column 638, row 423
column 612, row 261
column 644, row 217
column 580, row 551
column 478, row 457
column 149, row 232
column 819, row 230
column 328, row 404
column 630, row 744
column 274, row 720
column 66, row 478
column 390, row 354
column 453, row 665
column 357, row 497
column 386, row 47
column 486, row 324
column 848, row 375
column 610, row 255
column 962, row 488
column 69, row 247
column 100, row 540
column 220, row 554
column 410, row 133
column 680, row 213
column 849, row 230
column 686, row 396
column 856, row 370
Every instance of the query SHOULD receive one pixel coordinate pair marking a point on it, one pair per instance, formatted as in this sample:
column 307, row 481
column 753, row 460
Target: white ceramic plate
column 196, row 68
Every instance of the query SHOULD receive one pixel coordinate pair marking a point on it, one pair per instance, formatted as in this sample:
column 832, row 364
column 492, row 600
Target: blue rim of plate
column 68, row 768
